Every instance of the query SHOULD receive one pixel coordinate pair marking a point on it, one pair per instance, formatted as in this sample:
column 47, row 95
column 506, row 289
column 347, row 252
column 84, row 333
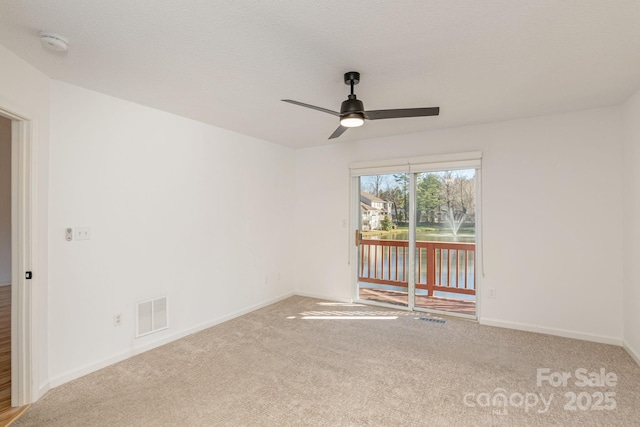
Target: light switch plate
column 82, row 233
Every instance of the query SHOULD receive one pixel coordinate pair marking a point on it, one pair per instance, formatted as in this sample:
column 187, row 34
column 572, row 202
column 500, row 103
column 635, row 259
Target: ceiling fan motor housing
column 351, row 105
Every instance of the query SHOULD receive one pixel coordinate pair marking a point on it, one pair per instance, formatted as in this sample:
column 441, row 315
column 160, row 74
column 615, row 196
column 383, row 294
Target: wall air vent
column 151, row 316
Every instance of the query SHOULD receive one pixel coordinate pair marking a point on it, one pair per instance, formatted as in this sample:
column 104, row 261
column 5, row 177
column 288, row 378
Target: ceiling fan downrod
column 352, row 78
column 352, row 109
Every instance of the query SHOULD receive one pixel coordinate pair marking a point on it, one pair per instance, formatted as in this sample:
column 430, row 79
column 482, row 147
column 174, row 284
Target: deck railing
column 440, row 266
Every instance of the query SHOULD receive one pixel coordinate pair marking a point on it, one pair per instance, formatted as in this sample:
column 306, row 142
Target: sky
column 366, row 182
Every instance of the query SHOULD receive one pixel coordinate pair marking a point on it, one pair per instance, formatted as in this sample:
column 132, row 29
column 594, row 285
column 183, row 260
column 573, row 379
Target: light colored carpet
column 267, row 369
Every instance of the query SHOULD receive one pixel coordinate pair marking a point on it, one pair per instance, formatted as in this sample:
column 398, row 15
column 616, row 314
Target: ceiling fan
column 352, row 113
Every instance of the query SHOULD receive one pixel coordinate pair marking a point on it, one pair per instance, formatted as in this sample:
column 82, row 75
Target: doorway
column 415, row 237
column 17, row 241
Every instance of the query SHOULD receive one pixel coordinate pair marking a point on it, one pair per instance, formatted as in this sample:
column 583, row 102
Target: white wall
column 5, row 201
column 631, row 196
column 176, row 208
column 25, row 91
column 552, row 213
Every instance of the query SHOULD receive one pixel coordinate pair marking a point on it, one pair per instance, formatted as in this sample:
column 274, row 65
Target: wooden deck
column 433, row 303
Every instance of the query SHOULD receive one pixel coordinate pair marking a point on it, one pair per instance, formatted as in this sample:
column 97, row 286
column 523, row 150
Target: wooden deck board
column 433, row 303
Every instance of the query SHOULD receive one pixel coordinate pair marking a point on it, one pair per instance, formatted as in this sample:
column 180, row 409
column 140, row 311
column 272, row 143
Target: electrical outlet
column 117, row 319
column 492, row 293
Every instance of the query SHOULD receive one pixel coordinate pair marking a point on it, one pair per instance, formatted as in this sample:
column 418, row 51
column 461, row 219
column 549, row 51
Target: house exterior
column 373, row 210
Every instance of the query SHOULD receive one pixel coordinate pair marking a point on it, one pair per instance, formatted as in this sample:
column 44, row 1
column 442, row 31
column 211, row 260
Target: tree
column 386, row 224
column 429, row 196
column 458, row 198
column 402, row 179
column 393, row 195
column 374, row 184
column 378, row 180
column 467, row 194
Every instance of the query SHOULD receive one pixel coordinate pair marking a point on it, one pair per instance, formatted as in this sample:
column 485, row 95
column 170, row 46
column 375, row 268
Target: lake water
column 429, row 236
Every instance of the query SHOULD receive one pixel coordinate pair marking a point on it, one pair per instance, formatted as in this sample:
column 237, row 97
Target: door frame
column 24, row 243
column 412, row 166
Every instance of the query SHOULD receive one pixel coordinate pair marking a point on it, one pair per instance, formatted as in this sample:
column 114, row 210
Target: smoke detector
column 54, row 41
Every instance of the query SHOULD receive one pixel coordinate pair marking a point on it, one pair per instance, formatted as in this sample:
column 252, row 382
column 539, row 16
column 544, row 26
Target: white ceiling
column 228, row 63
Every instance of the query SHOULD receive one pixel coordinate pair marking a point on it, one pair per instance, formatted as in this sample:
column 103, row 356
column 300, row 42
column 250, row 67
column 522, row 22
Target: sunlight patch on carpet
column 349, row 317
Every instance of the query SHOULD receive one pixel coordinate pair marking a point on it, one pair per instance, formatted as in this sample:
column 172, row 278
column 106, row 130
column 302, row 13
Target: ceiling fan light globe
column 352, row 120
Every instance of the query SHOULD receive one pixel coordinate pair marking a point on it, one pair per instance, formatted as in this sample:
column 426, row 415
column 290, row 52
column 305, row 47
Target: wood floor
column 7, row 413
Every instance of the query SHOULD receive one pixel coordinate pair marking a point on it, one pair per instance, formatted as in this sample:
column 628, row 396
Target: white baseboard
column 77, row 373
column 5, row 283
column 633, row 353
column 551, row 331
column 44, row 388
column 323, row 297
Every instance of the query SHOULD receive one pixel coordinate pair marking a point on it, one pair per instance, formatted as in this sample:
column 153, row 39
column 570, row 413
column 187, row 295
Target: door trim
column 23, row 249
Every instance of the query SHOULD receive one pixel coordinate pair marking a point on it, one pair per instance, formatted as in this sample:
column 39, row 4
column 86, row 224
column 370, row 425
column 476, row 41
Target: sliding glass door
column 445, row 244
column 415, row 238
column 382, row 238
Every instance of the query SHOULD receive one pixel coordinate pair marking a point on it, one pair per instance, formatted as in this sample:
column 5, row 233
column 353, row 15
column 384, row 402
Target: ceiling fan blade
column 341, row 129
column 313, row 107
column 403, row 112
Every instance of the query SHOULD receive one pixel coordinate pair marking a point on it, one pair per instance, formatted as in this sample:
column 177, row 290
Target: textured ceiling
column 228, row 63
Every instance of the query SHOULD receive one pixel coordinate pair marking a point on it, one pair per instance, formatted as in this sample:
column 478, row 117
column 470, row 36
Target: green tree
column 386, row 224
column 402, row 179
column 429, row 196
